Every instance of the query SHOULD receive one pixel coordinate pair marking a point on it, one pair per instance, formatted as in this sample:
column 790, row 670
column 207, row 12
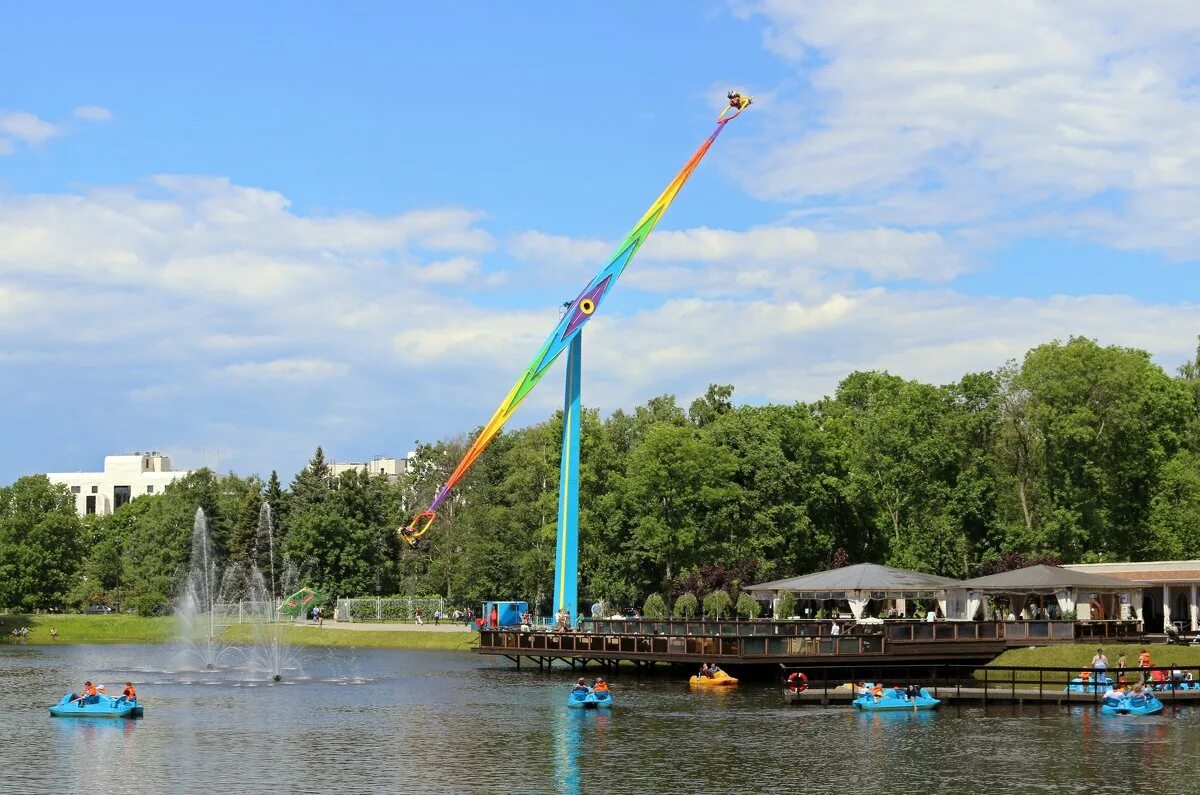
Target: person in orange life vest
column 1144, row 663
column 600, row 686
column 494, row 618
column 129, row 694
column 89, row 692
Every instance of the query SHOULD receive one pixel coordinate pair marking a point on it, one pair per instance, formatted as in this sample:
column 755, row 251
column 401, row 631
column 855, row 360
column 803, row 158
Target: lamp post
column 118, row 573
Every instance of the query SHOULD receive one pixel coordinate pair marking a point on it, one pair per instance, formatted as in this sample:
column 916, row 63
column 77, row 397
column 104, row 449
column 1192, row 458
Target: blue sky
column 256, row 228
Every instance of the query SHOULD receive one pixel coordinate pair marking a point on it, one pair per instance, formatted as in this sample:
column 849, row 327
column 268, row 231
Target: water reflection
column 433, row 722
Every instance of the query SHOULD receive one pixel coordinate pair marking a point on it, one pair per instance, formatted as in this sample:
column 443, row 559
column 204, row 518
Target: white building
column 124, row 477
column 379, row 465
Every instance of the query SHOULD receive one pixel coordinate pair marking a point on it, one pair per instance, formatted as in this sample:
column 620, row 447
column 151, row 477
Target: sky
column 233, row 232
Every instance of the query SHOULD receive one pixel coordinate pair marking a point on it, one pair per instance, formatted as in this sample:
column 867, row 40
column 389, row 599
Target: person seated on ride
column 877, row 691
column 129, row 694
column 89, row 693
column 581, row 687
column 600, row 685
column 737, row 101
column 704, row 674
column 860, row 688
column 913, row 691
column 1158, row 679
column 1114, row 693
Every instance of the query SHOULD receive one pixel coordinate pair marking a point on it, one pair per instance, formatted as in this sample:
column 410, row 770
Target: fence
column 245, row 612
column 400, row 609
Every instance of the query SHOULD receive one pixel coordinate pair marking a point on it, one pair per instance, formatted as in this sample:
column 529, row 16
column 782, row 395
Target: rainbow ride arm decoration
column 579, row 312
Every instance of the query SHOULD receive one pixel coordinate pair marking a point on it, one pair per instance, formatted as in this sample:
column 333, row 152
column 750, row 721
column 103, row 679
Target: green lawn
column 74, row 628
column 365, row 639
column 135, row 629
column 1078, row 656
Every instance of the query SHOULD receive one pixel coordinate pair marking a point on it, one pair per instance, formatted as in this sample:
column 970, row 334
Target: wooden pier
column 1019, row 685
column 758, row 644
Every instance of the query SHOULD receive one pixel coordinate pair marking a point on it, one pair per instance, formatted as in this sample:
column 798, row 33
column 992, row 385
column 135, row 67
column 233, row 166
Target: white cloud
column 92, row 113
column 26, row 127
column 286, row 370
column 784, row 260
column 990, row 112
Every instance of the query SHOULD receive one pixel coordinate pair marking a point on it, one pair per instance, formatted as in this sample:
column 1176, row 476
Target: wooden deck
column 768, row 643
column 953, row 694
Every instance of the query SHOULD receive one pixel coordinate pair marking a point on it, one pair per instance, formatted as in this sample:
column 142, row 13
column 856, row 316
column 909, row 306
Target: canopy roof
column 860, row 577
column 1048, row 578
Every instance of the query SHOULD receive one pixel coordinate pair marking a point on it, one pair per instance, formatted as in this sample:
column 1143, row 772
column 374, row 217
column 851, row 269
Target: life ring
column 797, row 682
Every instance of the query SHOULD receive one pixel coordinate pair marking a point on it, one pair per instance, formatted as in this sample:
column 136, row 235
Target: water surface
column 397, row 721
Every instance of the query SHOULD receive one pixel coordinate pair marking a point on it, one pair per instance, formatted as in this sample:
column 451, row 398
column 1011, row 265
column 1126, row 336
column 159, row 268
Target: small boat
column 896, row 701
column 721, row 679
column 98, row 706
column 1097, row 685
column 592, row 700
column 1144, row 704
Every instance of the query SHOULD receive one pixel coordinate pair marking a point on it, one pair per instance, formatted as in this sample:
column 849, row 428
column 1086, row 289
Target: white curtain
column 974, row 605
column 858, row 603
column 1065, row 599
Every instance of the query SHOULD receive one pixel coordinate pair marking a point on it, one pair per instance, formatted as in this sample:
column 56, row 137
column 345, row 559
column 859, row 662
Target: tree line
column 1079, row 452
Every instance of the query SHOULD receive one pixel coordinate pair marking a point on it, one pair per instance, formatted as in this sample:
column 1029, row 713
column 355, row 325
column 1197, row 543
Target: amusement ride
column 567, row 335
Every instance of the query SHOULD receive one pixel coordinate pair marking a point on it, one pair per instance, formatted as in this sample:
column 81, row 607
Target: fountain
column 211, row 595
column 199, row 624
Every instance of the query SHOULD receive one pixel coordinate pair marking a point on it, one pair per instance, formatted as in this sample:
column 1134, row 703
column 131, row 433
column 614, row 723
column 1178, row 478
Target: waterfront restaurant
column 868, row 589
column 1170, row 596
column 1059, row 592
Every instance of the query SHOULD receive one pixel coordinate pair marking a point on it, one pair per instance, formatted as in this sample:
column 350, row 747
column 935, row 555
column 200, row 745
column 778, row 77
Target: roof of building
column 1042, row 577
column 860, row 577
column 1155, row 571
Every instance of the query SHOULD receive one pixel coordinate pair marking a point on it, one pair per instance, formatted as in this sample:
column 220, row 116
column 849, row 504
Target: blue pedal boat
column 1132, row 705
column 1097, row 685
column 581, row 700
column 896, row 701
column 98, row 706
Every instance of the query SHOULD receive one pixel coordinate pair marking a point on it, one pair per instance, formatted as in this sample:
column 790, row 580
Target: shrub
column 786, row 608
column 686, row 606
column 654, row 607
column 717, row 604
column 748, row 607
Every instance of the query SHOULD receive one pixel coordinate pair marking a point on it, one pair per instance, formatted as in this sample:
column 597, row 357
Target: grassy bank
column 1078, row 656
column 135, row 629
column 89, row 629
column 364, row 639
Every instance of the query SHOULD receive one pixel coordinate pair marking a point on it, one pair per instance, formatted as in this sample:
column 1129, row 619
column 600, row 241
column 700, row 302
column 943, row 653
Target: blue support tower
column 566, row 558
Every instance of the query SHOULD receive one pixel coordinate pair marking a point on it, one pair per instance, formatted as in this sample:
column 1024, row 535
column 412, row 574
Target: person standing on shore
column 1099, row 663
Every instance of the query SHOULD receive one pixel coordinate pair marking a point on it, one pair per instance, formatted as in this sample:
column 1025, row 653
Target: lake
column 400, row 721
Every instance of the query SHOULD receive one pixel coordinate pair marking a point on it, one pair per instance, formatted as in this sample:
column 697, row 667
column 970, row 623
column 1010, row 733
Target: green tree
column 748, row 607
column 40, row 544
column 786, row 606
column 686, row 606
column 655, row 607
column 718, row 604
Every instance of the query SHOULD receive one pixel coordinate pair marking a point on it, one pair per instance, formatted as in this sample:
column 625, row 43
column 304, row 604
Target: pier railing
column 992, row 683
column 892, row 629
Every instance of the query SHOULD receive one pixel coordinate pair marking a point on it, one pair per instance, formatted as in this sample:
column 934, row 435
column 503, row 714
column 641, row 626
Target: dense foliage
column 1078, row 453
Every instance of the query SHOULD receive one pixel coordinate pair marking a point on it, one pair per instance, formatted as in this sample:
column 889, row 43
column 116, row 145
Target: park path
column 407, row 626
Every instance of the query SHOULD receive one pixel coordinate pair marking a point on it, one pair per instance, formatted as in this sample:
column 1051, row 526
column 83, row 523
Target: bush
column 655, row 607
column 786, row 608
column 151, row 604
column 686, row 606
column 717, row 604
column 748, row 606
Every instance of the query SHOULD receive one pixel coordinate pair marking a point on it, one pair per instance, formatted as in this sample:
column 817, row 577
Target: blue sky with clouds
column 258, row 228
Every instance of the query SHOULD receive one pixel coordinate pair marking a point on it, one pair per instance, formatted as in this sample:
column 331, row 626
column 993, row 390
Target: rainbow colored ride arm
column 580, row 311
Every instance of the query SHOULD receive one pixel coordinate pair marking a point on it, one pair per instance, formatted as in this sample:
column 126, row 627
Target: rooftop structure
column 124, row 478
column 391, row 468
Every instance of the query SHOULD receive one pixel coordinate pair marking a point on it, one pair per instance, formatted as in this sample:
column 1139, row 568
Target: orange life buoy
column 797, row 682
